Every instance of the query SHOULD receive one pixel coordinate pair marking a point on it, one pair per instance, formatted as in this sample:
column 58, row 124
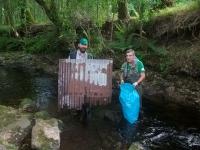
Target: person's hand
column 135, row 84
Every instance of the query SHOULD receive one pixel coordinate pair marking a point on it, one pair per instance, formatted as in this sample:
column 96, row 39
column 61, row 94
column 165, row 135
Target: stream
column 162, row 127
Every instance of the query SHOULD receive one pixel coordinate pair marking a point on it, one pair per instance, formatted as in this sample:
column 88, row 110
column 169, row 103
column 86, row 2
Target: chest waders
column 131, row 75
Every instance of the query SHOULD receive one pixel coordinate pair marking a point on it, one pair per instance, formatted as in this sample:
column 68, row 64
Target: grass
column 181, row 7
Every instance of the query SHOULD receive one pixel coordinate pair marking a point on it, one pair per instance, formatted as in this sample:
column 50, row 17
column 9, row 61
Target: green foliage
column 37, row 44
column 26, row 17
column 48, row 42
column 11, row 44
column 40, row 44
column 17, row 12
column 145, row 48
column 142, row 7
column 179, row 7
column 96, row 42
column 125, row 39
column 122, row 38
column 96, row 11
column 70, row 12
column 89, row 15
column 5, row 30
column 42, row 115
column 95, row 38
column 184, row 1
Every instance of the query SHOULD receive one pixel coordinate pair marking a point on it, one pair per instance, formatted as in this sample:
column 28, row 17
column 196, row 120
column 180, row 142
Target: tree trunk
column 123, row 13
column 52, row 13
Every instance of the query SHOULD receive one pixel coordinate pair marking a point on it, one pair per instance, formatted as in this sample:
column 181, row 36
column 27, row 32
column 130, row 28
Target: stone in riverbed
column 46, row 134
column 14, row 127
column 28, row 105
column 136, row 146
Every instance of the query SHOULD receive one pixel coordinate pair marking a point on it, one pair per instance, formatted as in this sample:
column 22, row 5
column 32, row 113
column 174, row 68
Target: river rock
column 42, row 115
column 46, row 134
column 28, row 105
column 14, row 127
column 136, row 146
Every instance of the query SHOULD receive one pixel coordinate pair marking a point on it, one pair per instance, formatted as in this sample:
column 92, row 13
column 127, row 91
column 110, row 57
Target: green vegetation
column 48, row 26
column 42, row 115
column 7, row 116
column 180, row 7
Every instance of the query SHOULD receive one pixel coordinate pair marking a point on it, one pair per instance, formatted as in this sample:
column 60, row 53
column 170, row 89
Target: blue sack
column 130, row 101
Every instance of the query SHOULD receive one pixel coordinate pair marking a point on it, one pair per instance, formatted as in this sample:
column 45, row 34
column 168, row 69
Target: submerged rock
column 46, row 135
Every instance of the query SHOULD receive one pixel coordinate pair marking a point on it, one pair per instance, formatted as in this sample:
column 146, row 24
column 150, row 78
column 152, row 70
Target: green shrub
column 5, row 30
column 11, row 44
column 36, row 44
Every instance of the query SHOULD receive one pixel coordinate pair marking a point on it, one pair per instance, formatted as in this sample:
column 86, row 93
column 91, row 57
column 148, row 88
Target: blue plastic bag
column 130, row 101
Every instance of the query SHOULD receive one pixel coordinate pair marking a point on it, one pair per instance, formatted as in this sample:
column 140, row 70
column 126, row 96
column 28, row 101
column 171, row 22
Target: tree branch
column 51, row 12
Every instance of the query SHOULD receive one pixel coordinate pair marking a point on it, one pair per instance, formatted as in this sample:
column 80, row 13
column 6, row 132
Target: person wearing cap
column 81, row 52
column 132, row 71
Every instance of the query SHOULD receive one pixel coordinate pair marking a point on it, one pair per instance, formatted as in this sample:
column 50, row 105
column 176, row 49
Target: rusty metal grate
column 81, row 81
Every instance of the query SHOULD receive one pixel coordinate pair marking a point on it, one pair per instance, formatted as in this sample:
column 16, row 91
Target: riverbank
column 30, row 62
column 169, row 87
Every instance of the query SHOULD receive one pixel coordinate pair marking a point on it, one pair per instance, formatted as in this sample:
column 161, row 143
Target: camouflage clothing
column 131, row 73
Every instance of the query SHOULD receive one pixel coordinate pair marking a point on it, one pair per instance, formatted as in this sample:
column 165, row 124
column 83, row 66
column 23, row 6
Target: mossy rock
column 42, row 115
column 28, row 105
column 7, row 146
column 7, row 115
column 46, row 135
column 14, row 127
column 136, row 146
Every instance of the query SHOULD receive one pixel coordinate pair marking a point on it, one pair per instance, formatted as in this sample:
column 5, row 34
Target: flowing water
column 163, row 126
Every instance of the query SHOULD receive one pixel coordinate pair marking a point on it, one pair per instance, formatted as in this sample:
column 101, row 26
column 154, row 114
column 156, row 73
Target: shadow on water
column 163, row 126
column 16, row 83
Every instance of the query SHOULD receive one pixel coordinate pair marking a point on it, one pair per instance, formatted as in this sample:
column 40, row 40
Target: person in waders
column 133, row 72
column 81, row 54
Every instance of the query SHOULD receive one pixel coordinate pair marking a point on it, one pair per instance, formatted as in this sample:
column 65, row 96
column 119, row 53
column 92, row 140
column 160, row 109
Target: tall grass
column 179, row 7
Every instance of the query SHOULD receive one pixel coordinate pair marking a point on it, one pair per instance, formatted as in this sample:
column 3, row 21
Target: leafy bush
column 5, row 30
column 45, row 43
column 3, row 43
column 37, row 44
column 11, row 44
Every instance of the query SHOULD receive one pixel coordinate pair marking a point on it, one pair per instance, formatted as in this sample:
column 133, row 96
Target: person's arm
column 142, row 77
column 121, row 77
column 142, row 73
